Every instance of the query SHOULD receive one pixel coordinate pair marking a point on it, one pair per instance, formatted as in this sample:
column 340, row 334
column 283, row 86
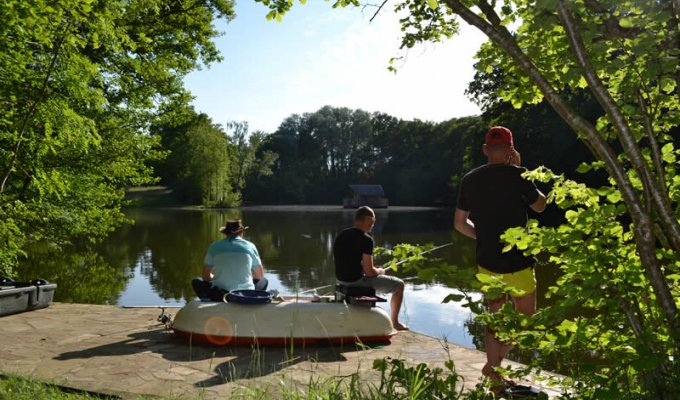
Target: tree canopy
column 80, row 82
column 206, row 165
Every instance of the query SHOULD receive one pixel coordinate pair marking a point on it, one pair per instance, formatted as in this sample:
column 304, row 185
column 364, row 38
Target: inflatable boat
column 296, row 320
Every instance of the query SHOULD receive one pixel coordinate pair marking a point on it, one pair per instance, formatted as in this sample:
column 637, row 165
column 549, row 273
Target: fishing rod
column 419, row 254
column 386, row 268
column 315, row 289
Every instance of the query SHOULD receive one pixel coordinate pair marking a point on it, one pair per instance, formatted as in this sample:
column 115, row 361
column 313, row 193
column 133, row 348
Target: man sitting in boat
column 353, row 255
column 232, row 263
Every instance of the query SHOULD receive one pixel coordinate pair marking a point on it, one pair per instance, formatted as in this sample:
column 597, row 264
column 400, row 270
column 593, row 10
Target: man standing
column 232, row 263
column 353, row 255
column 493, row 198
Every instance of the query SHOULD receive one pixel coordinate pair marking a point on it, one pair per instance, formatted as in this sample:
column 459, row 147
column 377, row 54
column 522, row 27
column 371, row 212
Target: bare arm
column 539, row 204
column 463, row 224
column 258, row 272
column 207, row 274
column 369, row 268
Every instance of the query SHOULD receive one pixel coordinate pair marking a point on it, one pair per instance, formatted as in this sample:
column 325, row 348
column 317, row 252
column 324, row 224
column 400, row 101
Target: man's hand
column 514, row 158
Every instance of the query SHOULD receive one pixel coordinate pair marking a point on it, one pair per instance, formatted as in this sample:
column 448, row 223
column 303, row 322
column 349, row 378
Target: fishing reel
column 165, row 318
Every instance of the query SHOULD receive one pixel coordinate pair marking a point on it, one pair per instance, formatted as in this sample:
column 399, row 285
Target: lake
column 152, row 262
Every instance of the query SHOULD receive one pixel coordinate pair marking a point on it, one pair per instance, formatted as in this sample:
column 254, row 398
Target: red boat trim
column 278, row 341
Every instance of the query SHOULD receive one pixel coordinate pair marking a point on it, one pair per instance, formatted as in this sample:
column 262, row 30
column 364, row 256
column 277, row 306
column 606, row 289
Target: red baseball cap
column 498, row 135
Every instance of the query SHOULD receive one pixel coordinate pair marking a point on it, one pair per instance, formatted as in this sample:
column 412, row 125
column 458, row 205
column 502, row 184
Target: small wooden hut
column 365, row 195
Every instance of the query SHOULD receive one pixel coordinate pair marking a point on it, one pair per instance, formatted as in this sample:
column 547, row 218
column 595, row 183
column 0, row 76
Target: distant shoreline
column 161, row 197
column 331, row 207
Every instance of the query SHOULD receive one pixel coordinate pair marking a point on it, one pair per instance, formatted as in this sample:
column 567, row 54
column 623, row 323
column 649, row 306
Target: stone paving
column 126, row 352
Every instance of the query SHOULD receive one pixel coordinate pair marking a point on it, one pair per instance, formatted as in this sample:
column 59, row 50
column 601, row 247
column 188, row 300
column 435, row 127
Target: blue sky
column 321, row 56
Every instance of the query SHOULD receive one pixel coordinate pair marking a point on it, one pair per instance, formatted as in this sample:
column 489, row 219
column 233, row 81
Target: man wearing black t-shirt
column 493, row 198
column 353, row 255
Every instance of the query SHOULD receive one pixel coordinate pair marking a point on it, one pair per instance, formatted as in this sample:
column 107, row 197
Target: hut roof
column 368, row 190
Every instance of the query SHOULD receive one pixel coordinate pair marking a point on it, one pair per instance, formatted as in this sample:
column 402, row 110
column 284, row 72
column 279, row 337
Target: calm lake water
column 152, row 262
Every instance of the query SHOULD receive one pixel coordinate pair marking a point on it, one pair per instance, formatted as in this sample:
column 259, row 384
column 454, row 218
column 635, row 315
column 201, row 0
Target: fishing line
column 419, row 254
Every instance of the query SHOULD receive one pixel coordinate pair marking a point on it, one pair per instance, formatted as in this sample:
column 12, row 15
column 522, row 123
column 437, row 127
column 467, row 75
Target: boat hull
column 282, row 323
column 28, row 297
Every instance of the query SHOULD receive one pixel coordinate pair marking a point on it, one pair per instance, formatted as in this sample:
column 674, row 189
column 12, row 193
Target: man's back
column 348, row 248
column 232, row 260
column 497, row 197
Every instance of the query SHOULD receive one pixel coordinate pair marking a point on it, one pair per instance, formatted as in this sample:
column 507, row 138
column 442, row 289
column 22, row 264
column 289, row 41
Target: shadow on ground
column 231, row 363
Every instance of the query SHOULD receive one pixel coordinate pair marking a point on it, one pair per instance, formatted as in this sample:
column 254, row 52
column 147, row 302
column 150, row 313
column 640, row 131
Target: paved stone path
column 127, row 352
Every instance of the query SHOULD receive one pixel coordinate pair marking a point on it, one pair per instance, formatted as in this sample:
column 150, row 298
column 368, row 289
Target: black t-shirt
column 348, row 249
column 497, row 196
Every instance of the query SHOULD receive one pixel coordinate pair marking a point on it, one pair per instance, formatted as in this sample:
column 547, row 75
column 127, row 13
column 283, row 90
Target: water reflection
column 83, row 276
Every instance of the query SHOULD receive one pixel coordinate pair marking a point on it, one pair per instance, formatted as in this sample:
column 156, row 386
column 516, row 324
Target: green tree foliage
column 604, row 305
column 321, row 153
column 198, row 166
column 247, row 161
column 79, row 84
column 206, row 165
column 418, row 159
column 288, row 180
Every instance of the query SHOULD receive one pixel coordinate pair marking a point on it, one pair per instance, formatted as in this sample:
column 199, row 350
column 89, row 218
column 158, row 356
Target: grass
column 398, row 381
column 20, row 388
column 151, row 196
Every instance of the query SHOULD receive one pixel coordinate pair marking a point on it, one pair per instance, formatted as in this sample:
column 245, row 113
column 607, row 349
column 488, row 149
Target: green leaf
column 627, row 22
column 484, row 278
column 453, row 298
column 432, row 4
column 583, row 168
column 668, row 85
column 614, row 197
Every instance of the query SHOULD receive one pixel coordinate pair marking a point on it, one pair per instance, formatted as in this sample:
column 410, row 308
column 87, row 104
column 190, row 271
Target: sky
column 321, row 56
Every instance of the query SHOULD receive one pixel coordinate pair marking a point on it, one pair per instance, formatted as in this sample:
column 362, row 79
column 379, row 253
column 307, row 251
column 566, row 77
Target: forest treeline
column 312, row 158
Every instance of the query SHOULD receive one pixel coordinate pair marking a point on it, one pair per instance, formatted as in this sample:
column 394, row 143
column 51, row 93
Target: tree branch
column 31, row 110
column 375, row 14
column 653, row 143
column 489, row 12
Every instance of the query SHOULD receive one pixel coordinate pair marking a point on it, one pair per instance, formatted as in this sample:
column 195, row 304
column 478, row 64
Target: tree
column 200, row 163
column 246, row 161
column 288, row 181
column 80, row 83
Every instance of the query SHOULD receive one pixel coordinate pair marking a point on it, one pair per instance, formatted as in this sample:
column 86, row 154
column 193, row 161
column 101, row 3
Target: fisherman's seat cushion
column 355, row 291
